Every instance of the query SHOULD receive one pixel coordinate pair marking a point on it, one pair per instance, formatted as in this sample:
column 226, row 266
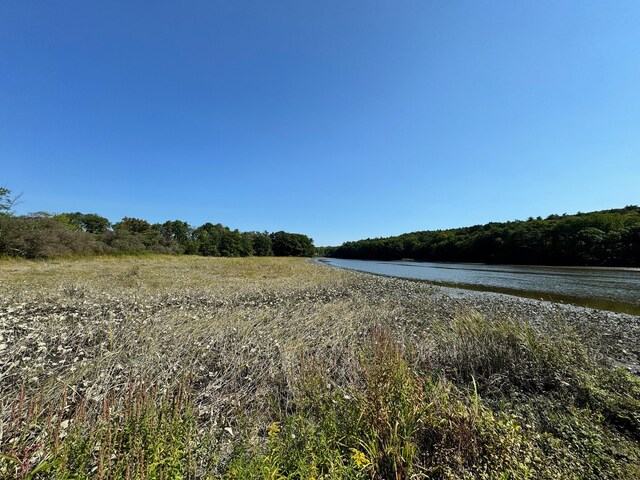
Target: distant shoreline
column 609, row 305
column 584, row 267
column 615, row 332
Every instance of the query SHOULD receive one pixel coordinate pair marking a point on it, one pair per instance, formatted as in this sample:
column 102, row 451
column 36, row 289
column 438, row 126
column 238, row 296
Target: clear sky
column 338, row 119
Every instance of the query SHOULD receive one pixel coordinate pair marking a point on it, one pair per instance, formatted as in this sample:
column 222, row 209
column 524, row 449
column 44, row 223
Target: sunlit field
column 191, row 367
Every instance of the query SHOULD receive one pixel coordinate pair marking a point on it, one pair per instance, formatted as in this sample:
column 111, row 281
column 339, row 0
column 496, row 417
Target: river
column 614, row 289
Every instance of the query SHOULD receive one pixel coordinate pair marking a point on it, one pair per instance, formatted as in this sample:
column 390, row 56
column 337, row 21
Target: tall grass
column 164, row 367
column 148, row 433
column 400, row 421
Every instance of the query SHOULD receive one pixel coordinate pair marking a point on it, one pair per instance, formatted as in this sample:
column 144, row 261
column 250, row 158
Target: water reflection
column 605, row 288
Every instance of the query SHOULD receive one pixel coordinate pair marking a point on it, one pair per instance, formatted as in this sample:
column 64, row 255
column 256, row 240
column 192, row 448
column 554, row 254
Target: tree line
column 603, row 238
column 45, row 235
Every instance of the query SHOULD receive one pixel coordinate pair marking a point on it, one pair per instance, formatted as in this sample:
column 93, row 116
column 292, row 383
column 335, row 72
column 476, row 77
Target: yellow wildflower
column 274, row 429
column 359, row 458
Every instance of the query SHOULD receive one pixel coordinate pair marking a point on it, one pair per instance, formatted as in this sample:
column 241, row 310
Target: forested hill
column 605, row 238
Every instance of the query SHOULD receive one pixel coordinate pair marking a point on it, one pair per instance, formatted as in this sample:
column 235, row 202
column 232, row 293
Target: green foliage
column 507, row 358
column 609, row 237
column 218, row 240
column 7, row 201
column 87, row 222
column 132, row 225
column 399, row 416
column 148, row 435
column 43, row 235
column 292, row 245
column 506, row 354
column 176, row 234
column 301, row 448
column 401, row 421
column 261, row 243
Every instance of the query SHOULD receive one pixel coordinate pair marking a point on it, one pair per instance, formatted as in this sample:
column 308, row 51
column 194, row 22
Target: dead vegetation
column 184, row 367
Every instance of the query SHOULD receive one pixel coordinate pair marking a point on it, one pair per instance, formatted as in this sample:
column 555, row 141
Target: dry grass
column 86, row 345
column 235, row 328
column 91, row 326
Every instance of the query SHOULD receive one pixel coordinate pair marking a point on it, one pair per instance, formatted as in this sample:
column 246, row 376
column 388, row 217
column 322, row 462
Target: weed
column 181, row 367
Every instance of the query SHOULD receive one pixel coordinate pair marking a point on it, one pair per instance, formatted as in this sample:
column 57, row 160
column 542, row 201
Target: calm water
column 605, row 288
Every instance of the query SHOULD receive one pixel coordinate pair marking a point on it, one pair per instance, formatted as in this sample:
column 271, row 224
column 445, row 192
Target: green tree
column 607, row 237
column 207, row 239
column 261, row 243
column 292, row 245
column 7, row 201
column 132, row 225
column 176, row 236
column 87, row 222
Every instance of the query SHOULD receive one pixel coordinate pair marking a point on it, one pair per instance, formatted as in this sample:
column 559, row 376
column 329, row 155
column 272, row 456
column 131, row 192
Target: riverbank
column 613, row 290
column 617, row 335
column 274, row 367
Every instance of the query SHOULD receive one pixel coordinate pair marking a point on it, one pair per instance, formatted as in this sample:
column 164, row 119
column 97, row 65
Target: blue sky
column 338, row 119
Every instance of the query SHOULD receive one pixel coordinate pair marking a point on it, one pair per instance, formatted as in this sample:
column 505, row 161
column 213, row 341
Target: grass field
column 189, row 367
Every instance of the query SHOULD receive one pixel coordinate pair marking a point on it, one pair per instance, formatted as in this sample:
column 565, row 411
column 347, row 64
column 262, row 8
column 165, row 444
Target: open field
column 191, row 367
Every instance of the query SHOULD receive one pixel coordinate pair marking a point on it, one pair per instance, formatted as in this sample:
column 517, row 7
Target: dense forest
column 45, row 235
column 605, row 238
